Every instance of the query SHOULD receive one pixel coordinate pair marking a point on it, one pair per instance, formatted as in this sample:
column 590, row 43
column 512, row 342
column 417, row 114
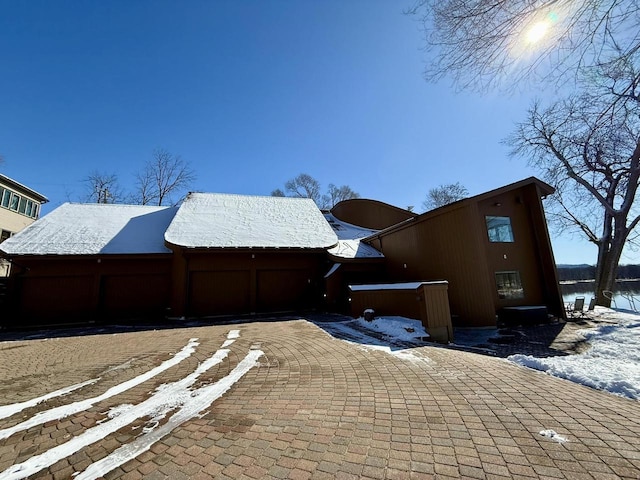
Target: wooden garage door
column 57, row 296
column 133, row 295
column 283, row 290
column 219, row 293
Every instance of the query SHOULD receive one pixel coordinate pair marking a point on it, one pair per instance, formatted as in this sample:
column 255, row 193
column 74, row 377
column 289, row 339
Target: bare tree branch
column 588, row 147
column 163, row 176
column 488, row 43
column 103, row 188
column 444, row 195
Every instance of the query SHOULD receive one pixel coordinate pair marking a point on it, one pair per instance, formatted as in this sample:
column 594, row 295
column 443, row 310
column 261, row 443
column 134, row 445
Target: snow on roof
column 395, row 286
column 89, row 229
column 214, row 220
column 349, row 245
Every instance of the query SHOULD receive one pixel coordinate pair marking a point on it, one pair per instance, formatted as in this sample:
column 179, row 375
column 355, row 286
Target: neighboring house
column 19, row 207
column 221, row 254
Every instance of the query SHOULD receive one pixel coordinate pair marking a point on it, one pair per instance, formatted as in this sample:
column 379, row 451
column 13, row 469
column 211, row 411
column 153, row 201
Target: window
column 23, row 205
column 499, row 229
column 4, row 234
column 6, row 195
column 34, row 212
column 509, row 285
column 15, row 200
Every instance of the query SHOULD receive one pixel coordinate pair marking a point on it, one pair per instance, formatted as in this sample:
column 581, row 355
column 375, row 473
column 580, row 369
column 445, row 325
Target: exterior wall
column 370, row 213
column 68, row 289
column 452, row 244
column 530, row 254
column 218, row 282
column 445, row 247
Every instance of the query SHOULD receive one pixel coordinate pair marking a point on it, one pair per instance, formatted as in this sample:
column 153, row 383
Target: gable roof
column 90, row 229
column 215, row 220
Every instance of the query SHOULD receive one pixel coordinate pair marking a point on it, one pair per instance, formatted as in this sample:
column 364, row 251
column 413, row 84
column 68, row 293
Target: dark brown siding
column 530, row 254
column 222, row 292
column 452, row 244
column 279, row 290
column 370, row 213
column 220, row 282
column 445, row 247
column 132, row 295
column 68, row 288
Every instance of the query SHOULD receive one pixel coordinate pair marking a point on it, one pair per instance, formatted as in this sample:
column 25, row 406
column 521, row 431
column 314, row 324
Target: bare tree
column 305, row 186
column 482, row 43
column 163, row 176
column 103, row 188
column 588, row 148
column 335, row 195
column 444, row 195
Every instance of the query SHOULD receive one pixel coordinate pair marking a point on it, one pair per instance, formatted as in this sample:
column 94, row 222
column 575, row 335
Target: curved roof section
column 91, row 229
column 215, row 220
column 370, row 213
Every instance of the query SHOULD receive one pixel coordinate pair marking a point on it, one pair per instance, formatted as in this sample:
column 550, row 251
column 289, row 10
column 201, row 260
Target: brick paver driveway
column 310, row 406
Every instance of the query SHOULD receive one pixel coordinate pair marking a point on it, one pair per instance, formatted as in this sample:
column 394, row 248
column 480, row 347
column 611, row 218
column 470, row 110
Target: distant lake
column 626, row 294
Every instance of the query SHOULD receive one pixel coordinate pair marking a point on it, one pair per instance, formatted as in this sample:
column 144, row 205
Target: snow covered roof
column 214, row 220
column 349, row 245
column 395, row 286
column 89, row 229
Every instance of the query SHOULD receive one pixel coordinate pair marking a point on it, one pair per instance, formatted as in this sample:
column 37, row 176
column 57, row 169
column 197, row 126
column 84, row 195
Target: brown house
column 493, row 249
column 235, row 254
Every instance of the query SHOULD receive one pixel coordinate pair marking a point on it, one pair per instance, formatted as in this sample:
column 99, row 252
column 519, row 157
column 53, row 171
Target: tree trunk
column 608, row 257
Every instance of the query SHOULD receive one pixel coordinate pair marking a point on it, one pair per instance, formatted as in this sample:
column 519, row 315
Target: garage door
column 219, row 293
column 283, row 290
column 133, row 295
column 57, row 296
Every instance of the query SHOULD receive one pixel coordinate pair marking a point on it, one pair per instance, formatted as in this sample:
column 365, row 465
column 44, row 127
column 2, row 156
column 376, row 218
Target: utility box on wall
column 424, row 301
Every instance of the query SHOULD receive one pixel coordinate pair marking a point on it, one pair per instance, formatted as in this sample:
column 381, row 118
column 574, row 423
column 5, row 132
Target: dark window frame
column 509, row 285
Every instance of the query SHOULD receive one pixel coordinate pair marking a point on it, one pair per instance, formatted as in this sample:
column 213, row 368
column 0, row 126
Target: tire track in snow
column 12, row 409
column 166, row 398
column 72, row 408
column 199, row 400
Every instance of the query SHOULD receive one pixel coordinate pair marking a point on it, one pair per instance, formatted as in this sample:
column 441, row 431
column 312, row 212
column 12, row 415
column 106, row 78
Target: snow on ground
column 612, row 362
column 399, row 328
column 179, row 401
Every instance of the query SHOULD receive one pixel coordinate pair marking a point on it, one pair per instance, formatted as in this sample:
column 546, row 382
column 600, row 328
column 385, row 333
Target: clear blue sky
column 251, row 93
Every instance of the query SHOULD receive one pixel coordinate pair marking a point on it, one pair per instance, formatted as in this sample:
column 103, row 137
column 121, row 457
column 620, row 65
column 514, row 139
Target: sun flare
column 537, row 32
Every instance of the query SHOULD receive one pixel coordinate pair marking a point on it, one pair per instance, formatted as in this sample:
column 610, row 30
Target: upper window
column 499, row 229
column 6, row 195
column 18, row 203
column 15, row 201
